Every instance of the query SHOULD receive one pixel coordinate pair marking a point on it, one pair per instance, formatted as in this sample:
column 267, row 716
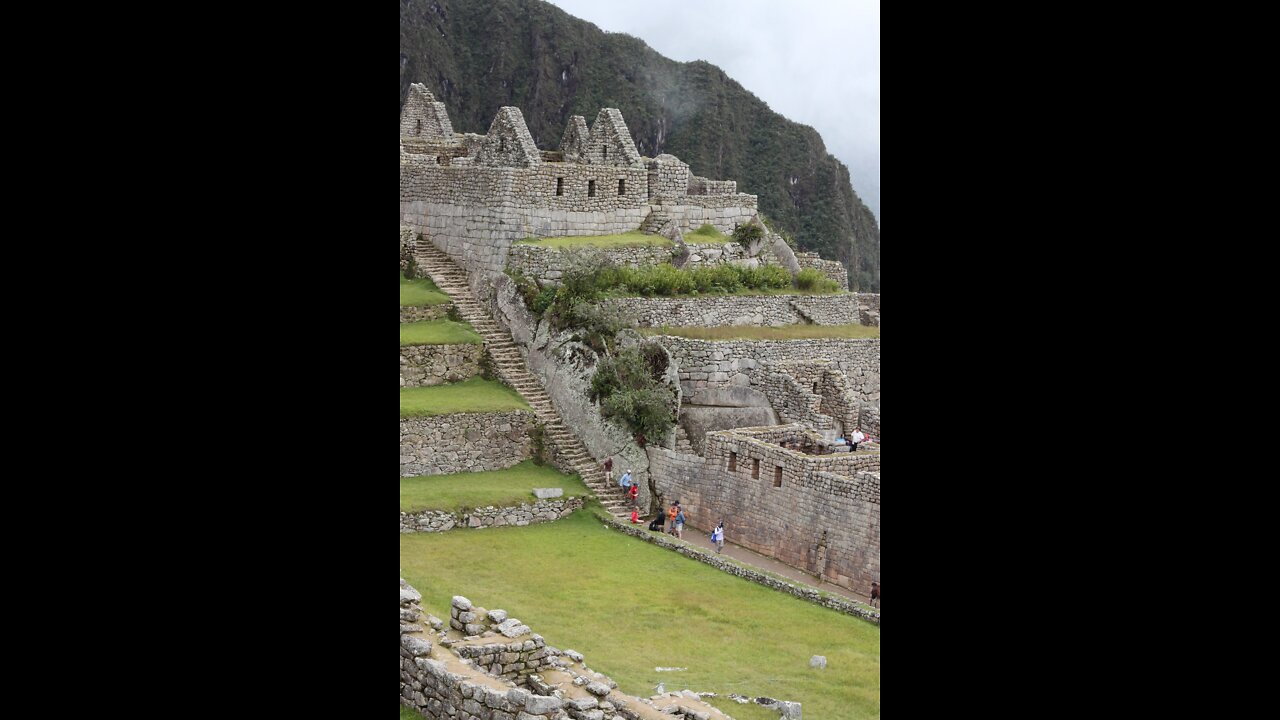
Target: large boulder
column 698, row 420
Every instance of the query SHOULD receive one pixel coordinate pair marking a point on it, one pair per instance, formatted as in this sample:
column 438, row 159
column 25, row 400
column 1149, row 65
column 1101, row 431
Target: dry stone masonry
column 756, row 311
column 431, row 521
column 485, row 665
column 706, row 364
column 426, row 365
column 819, row 513
column 473, row 196
column 464, row 442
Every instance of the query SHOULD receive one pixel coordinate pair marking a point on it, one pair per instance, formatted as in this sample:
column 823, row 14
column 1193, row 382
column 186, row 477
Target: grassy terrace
column 785, row 332
column 631, row 607
column 706, row 235
column 634, row 238
column 503, row 488
column 474, row 395
column 420, row 293
column 438, row 332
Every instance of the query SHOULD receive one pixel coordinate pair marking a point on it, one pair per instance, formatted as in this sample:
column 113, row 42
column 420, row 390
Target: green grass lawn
column 707, row 235
column 786, row 332
column 407, row 714
column 474, row 395
column 466, row 491
column 630, row 607
column 438, row 332
column 420, row 293
column 634, row 238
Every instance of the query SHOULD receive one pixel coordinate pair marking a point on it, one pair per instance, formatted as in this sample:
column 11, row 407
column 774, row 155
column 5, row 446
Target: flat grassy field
column 438, row 332
column 420, row 293
column 749, row 332
column 407, row 714
column 503, row 488
column 474, row 395
column 631, row 607
column 634, row 238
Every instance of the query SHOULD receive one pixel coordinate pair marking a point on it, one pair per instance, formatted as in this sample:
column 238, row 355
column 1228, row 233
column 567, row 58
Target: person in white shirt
column 856, row 438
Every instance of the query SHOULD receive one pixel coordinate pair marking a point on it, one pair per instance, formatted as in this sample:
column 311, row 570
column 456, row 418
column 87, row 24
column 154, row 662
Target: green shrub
column 773, row 277
column 629, row 389
column 811, row 280
column 542, row 301
column 747, row 234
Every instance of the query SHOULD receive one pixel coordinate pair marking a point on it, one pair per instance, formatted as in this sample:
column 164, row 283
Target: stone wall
column 484, row 665
column 706, row 364
column 813, row 393
column 548, row 265
column 754, row 310
column 832, row 269
column 464, row 442
column 818, row 513
column 437, row 683
column 425, row 365
column 429, row 521
column 426, row 312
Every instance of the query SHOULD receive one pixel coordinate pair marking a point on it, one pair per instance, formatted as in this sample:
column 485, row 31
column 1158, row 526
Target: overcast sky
column 816, row 62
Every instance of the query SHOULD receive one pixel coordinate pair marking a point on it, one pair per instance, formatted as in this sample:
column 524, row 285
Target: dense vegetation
column 629, row 388
column 479, row 55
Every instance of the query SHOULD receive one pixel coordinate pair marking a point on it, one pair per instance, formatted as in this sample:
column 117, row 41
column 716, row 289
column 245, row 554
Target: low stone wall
column 831, row 602
column 495, row 673
column 430, row 521
column 832, row 269
column 464, row 442
column 548, row 265
column 704, row 364
column 428, row 312
column 758, row 310
column 426, row 365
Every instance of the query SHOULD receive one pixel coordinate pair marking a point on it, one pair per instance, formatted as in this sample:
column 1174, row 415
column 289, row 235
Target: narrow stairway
column 510, row 366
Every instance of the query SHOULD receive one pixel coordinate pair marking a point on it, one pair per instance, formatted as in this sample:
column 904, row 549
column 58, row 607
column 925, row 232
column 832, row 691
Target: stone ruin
column 484, row 665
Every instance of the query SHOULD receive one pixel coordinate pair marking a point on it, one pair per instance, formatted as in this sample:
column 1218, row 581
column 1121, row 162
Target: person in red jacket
column 635, row 516
column 634, row 493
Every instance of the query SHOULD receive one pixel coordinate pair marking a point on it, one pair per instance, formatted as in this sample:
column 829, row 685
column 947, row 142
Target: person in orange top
column 671, row 516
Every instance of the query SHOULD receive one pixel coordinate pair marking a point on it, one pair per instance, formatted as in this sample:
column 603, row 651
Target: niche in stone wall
column 777, row 476
column 733, row 462
column 591, row 188
column 622, row 187
column 755, row 469
column 559, row 186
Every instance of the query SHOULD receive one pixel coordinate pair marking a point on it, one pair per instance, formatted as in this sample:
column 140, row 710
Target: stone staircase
column 656, row 222
column 510, row 366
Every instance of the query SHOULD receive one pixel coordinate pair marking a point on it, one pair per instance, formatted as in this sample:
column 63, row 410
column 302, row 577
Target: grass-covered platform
column 501, row 488
column 474, row 395
column 438, row 332
column 631, row 607
column 634, row 238
column 706, row 235
column 420, row 293
column 784, row 332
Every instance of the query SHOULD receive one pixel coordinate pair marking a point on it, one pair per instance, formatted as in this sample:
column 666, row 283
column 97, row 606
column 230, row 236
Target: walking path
column 694, row 536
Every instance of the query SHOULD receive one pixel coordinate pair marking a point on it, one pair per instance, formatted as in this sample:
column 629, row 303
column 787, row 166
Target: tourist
column 857, row 437
column 626, row 481
column 671, row 516
column 875, row 595
column 680, row 524
column 717, row 537
column 608, row 468
column 635, row 515
column 635, row 495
